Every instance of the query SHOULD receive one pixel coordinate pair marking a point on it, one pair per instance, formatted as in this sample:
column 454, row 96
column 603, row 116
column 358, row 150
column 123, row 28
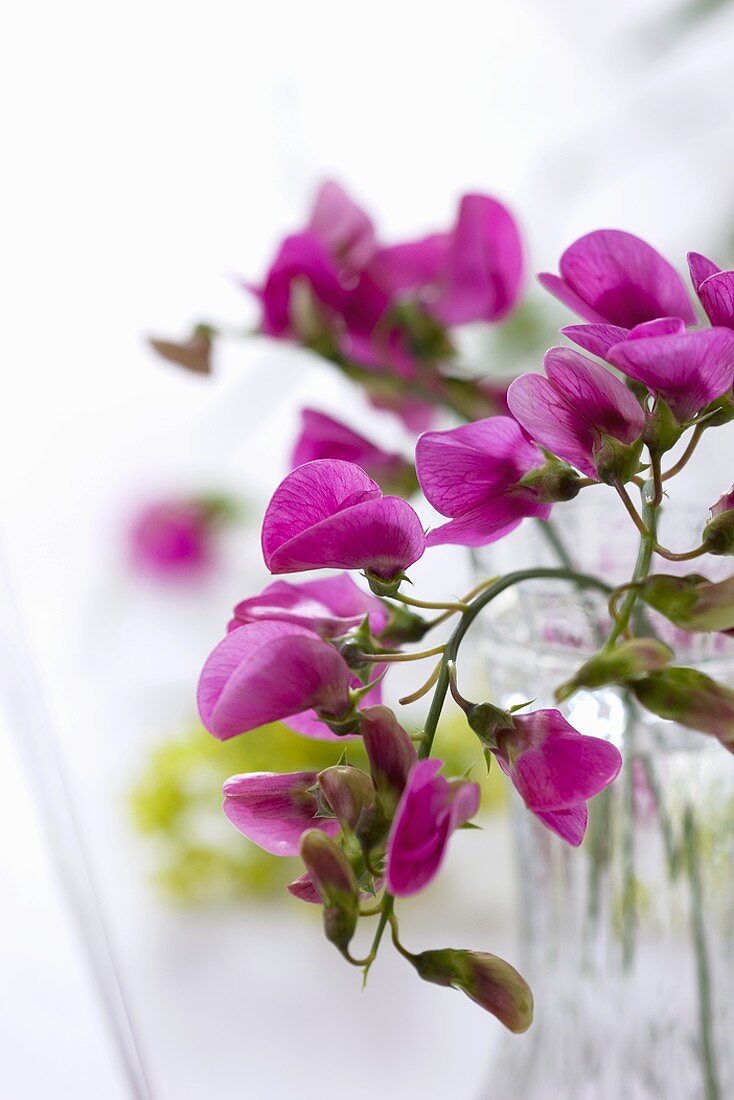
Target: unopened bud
column 488, row 980
column 690, row 698
column 336, row 884
column 403, row 626
column 616, row 462
column 620, row 665
column 692, row 602
column 555, row 481
column 348, row 791
column 718, row 534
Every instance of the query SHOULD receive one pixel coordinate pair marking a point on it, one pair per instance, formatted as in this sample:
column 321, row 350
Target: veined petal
column 717, row 298
column 274, row 810
column 570, row 825
column 597, row 339
column 329, row 606
column 490, row 521
column 563, row 292
column 700, row 268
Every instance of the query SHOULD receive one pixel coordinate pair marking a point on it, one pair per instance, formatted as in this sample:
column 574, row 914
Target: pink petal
column 324, row 437
column 567, row 769
column 410, row 265
column 489, row 522
column 700, row 268
column 274, row 810
column 484, row 264
column 688, row 370
column 570, row 825
column 302, row 256
column 342, row 226
column 662, row 326
column 597, row 339
column 623, row 279
column 717, row 298
column 464, row 467
column 329, row 606
column 304, row 889
column 245, row 685
column 390, row 751
column 562, row 291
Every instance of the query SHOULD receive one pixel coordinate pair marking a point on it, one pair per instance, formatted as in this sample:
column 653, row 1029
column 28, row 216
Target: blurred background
column 155, row 154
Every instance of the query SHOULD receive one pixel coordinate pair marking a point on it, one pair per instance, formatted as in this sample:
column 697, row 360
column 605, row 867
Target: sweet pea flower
column 687, row 370
column 328, row 514
column 323, row 436
column 301, row 290
column 473, row 475
column 575, row 408
column 715, row 289
column 173, row 539
column 274, row 810
column 613, row 277
column 556, row 769
column 329, row 607
column 472, row 273
column 269, row 671
column 342, row 227
column 429, row 811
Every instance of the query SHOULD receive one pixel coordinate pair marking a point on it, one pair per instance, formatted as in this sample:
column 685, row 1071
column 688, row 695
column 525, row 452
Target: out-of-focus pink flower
column 342, row 227
column 429, row 811
column 269, row 671
column 472, row 273
column 302, row 264
column 324, row 437
column 329, row 514
column 174, row 539
column 715, row 289
column 472, row 474
column 573, row 409
column 556, row 769
column 687, row 369
column 330, row 606
column 274, row 810
column 614, row 277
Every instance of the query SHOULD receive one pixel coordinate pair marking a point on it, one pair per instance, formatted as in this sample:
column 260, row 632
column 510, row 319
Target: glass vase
column 628, row 941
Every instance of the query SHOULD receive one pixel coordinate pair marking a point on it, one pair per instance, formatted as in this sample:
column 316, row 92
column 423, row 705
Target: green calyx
column 616, row 463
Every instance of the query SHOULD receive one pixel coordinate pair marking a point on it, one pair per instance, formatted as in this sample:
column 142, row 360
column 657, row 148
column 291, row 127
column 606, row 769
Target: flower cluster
column 314, row 653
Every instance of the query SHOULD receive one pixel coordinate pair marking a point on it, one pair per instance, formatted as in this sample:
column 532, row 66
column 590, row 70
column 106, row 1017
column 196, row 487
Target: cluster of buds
column 314, row 653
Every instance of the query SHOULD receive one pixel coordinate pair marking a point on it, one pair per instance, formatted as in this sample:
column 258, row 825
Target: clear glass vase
column 628, row 942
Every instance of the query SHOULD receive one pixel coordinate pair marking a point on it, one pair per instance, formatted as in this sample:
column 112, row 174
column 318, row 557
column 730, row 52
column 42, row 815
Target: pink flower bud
column 390, row 751
column 274, row 810
column 692, row 602
column 348, row 791
column 488, row 980
column 334, row 880
column 330, row 514
column 429, row 811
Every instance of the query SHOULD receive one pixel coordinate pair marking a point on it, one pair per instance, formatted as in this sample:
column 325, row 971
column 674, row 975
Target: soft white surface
column 151, row 151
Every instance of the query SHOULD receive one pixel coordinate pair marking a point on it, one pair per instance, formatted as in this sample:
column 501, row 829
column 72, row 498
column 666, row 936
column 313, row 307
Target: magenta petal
column 623, row 279
column 390, row 751
column 597, row 339
column 464, row 467
column 342, row 226
column 717, row 298
column 274, row 810
column 484, row 264
column 489, row 522
column 330, row 606
column 308, row 724
column 661, row 326
column 264, row 672
column 412, row 264
column 567, row 769
column 700, row 268
column 303, row 888
column 429, row 810
column 562, row 291
column 302, row 256
column 570, row 825
column 324, row 437
column 688, row 370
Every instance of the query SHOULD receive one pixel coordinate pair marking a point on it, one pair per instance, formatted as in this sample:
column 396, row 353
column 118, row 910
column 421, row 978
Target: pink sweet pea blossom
column 274, row 810
column 330, row 606
column 342, row 227
column 687, row 369
column 472, row 273
column 614, row 277
column 574, row 407
column 715, row 289
column 429, row 811
column 556, row 769
column 323, row 436
column 472, row 474
column 302, row 261
column 328, row 514
column 268, row 671
column 173, row 539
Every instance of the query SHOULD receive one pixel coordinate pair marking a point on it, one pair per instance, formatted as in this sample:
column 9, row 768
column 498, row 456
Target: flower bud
column 390, row 751
column 348, row 791
column 718, row 534
column 488, row 980
column 555, row 481
column 403, row 626
column 690, row 698
column 626, row 661
column 692, row 602
column 332, row 875
column 616, row 461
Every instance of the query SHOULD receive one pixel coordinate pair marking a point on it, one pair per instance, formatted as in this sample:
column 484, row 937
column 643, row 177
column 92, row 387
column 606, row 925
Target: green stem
column 648, row 541
column 703, row 970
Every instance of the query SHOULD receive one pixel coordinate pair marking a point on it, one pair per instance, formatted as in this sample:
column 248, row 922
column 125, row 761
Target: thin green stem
column 648, row 542
column 631, row 510
column 429, row 605
column 387, row 907
column 657, row 479
column 688, row 556
column 397, row 658
column 687, row 454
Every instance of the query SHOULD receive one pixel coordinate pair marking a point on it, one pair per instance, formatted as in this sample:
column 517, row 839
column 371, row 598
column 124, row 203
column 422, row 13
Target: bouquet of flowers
column 314, row 653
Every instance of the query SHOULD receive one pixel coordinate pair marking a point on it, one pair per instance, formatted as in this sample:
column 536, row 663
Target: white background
column 153, row 153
